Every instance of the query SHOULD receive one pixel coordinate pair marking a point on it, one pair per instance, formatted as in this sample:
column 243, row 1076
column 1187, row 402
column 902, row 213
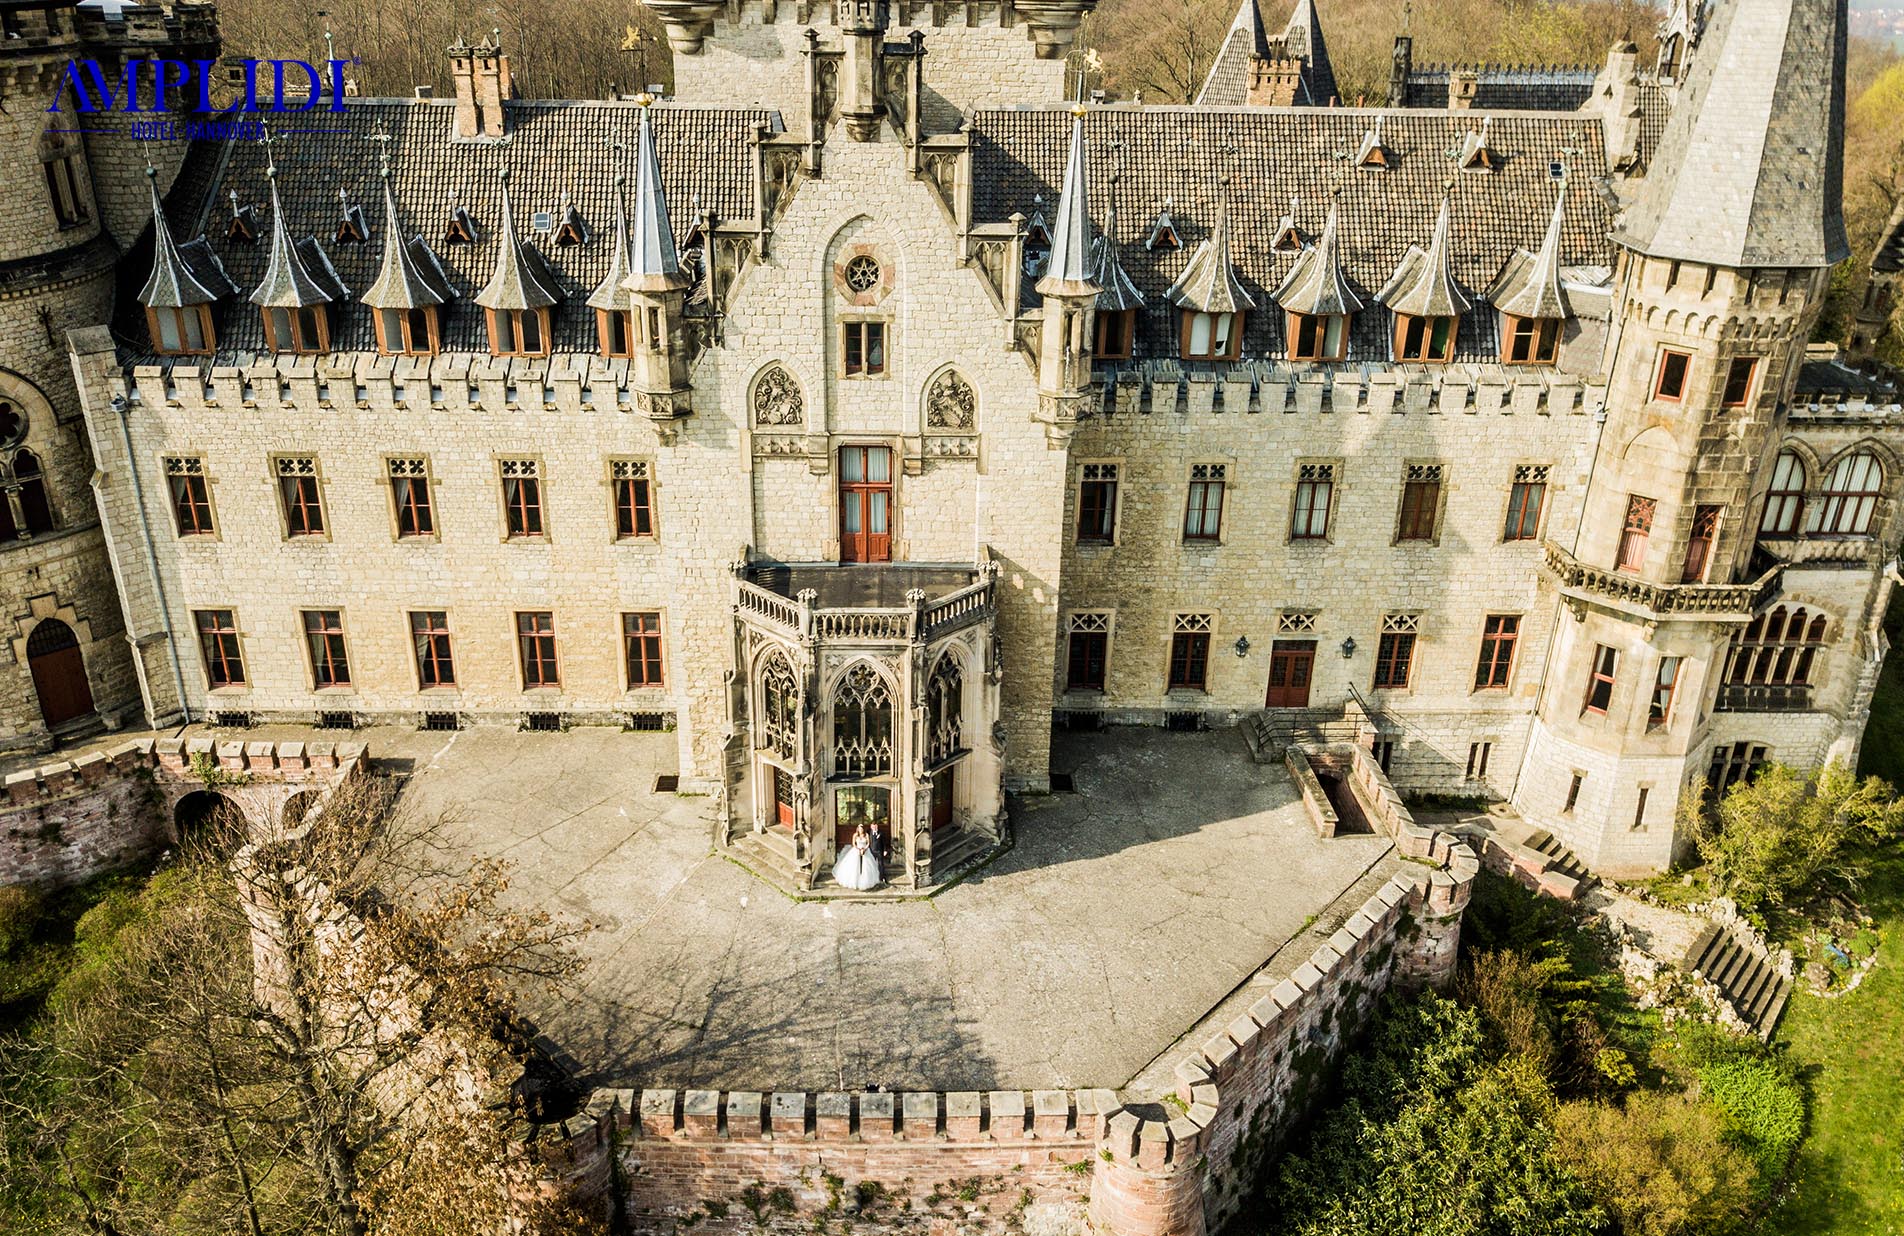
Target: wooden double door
column 866, row 493
column 59, row 673
column 1292, row 664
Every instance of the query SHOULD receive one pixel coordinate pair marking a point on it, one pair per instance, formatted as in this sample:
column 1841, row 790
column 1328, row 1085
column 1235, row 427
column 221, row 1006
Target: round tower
column 65, row 668
column 1720, row 276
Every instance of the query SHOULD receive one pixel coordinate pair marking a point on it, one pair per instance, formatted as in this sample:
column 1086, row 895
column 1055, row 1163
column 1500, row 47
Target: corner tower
column 1724, row 257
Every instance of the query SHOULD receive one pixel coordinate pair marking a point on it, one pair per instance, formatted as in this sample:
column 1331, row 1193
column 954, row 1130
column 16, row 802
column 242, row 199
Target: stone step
column 1745, row 974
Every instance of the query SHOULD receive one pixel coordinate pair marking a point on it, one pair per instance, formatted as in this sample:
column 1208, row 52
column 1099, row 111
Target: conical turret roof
column 173, row 283
column 521, row 280
column 297, row 275
column 610, row 294
column 1068, row 270
column 1424, row 285
column 1315, row 285
column 654, row 265
column 1529, row 286
column 1208, row 282
column 410, row 276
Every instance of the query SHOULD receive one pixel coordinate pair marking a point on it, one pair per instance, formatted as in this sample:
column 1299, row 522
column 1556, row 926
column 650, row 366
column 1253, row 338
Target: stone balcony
column 1582, row 584
column 863, row 603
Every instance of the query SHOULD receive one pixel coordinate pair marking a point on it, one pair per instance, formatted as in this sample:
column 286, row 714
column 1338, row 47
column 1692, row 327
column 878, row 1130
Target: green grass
column 1850, row 1173
column 1849, row 1179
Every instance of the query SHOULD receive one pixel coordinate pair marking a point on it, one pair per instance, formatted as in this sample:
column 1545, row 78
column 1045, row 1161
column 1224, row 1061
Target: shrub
column 20, row 909
column 1661, row 1164
column 1763, row 1110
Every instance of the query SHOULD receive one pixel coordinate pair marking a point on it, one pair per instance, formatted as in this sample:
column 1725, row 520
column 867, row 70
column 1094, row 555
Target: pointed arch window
column 1785, row 501
column 862, row 724
column 945, row 712
column 1850, row 497
column 779, row 707
column 36, row 513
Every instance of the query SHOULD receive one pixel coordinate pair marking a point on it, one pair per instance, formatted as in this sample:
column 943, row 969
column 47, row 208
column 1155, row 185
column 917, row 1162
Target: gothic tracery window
column 1850, row 498
column 945, row 709
column 779, row 707
column 862, row 724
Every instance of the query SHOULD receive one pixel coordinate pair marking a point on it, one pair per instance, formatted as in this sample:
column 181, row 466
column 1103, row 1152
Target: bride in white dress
column 858, row 867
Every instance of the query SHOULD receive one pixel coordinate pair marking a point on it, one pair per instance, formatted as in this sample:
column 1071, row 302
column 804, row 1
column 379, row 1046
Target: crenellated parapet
column 1165, row 388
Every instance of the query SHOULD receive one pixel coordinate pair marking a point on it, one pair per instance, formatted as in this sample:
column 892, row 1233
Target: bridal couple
column 860, row 863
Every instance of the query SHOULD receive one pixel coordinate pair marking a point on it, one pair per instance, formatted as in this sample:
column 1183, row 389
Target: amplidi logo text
column 165, row 86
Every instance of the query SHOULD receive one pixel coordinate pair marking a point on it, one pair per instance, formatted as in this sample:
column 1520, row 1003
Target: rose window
column 862, row 274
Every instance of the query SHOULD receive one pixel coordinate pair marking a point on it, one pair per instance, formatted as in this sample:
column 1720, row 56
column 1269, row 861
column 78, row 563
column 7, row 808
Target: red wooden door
column 944, row 787
column 1291, row 662
column 783, row 799
column 865, row 504
column 59, row 673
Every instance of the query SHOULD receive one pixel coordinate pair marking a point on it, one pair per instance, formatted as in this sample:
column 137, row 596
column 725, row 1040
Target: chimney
column 1462, row 84
column 1399, row 71
column 481, row 75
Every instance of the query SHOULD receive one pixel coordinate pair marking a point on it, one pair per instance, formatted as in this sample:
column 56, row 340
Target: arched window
column 862, row 724
column 1785, row 501
column 945, row 712
column 1770, row 663
column 779, row 707
column 33, row 503
column 1850, row 498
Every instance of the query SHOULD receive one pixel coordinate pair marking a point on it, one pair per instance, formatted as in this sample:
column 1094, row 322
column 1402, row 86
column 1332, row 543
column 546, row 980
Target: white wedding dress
column 857, row 868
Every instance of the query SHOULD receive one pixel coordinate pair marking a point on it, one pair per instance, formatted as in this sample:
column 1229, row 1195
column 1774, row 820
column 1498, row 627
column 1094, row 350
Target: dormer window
column 1318, row 337
column 615, row 328
column 1425, row 339
column 570, row 231
column 1114, row 334
column 352, row 228
column 461, row 229
column 303, row 330
column 407, row 332
column 1530, row 341
column 181, row 332
column 519, row 332
column 1212, row 336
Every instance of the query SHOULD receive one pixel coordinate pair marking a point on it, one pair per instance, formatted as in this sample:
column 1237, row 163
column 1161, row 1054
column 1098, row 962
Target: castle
column 864, row 410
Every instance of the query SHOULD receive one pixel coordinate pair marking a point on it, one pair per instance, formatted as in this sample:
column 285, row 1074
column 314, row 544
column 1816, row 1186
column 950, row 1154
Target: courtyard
column 1125, row 913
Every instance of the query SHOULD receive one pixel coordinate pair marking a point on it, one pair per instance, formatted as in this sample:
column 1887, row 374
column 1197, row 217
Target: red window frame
column 1531, row 341
column 324, row 642
column 1425, row 340
column 1635, row 532
column 1114, row 335
column 1500, row 634
column 1523, row 523
column 1097, row 504
column 1605, row 669
column 1203, row 510
column 303, row 505
column 218, row 645
column 641, row 639
column 1705, row 530
column 634, row 512
column 415, row 517
column 522, row 507
column 1659, row 709
column 1738, row 384
column 1309, row 515
column 867, row 501
column 535, row 641
column 1669, row 380
column 435, row 654
column 191, row 505
column 615, row 331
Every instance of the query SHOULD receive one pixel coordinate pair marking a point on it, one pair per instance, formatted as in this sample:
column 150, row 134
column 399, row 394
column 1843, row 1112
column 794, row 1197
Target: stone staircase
column 1744, row 973
column 1558, row 857
column 1271, row 731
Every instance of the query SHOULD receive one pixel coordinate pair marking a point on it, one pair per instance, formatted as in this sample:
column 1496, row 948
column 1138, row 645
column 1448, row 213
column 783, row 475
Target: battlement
column 150, row 25
column 1012, row 1116
column 65, row 778
column 269, row 761
column 1163, row 387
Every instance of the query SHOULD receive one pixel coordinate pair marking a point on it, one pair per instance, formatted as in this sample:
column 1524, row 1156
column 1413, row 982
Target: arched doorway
column 59, row 673
column 204, row 816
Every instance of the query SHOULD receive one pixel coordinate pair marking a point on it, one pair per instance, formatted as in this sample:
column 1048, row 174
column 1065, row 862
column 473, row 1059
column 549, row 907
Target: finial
column 644, row 99
column 503, row 175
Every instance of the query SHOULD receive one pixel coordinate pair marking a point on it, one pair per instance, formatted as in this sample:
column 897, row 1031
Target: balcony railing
column 1623, row 591
column 1847, row 553
column 1765, row 697
column 799, row 618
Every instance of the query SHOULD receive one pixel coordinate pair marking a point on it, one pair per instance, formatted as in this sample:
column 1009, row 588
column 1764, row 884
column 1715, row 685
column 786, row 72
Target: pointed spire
column 1371, row 154
column 521, row 280
column 1529, row 286
column 1750, row 169
column 173, row 284
column 1116, row 291
column 1315, row 285
column 1227, row 84
column 1208, row 283
column 1302, row 40
column 405, row 280
column 1424, row 285
column 1068, row 270
column 609, row 294
column 1288, row 235
column 288, row 281
column 654, row 266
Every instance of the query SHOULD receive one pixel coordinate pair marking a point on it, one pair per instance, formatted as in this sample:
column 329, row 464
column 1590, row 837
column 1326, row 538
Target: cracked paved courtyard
column 1125, row 912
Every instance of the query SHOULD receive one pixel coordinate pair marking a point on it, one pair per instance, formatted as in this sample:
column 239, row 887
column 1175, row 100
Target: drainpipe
column 1586, row 494
column 124, row 410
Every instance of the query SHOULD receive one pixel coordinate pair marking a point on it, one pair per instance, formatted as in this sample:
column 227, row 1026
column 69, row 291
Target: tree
column 1661, row 1164
column 1788, row 833
column 357, row 1079
column 1432, row 1138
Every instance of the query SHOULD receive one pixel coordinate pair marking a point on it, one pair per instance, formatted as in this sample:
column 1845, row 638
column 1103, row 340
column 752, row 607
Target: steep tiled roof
column 1656, row 103
column 1512, row 88
column 704, row 154
column 1275, row 154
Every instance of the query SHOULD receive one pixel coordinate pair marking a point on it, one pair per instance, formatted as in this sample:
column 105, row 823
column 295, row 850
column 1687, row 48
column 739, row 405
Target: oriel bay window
column 1212, row 336
column 1424, row 339
column 408, row 332
column 518, row 332
column 304, row 330
column 1318, row 337
column 1530, row 341
column 862, row 724
column 181, row 332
